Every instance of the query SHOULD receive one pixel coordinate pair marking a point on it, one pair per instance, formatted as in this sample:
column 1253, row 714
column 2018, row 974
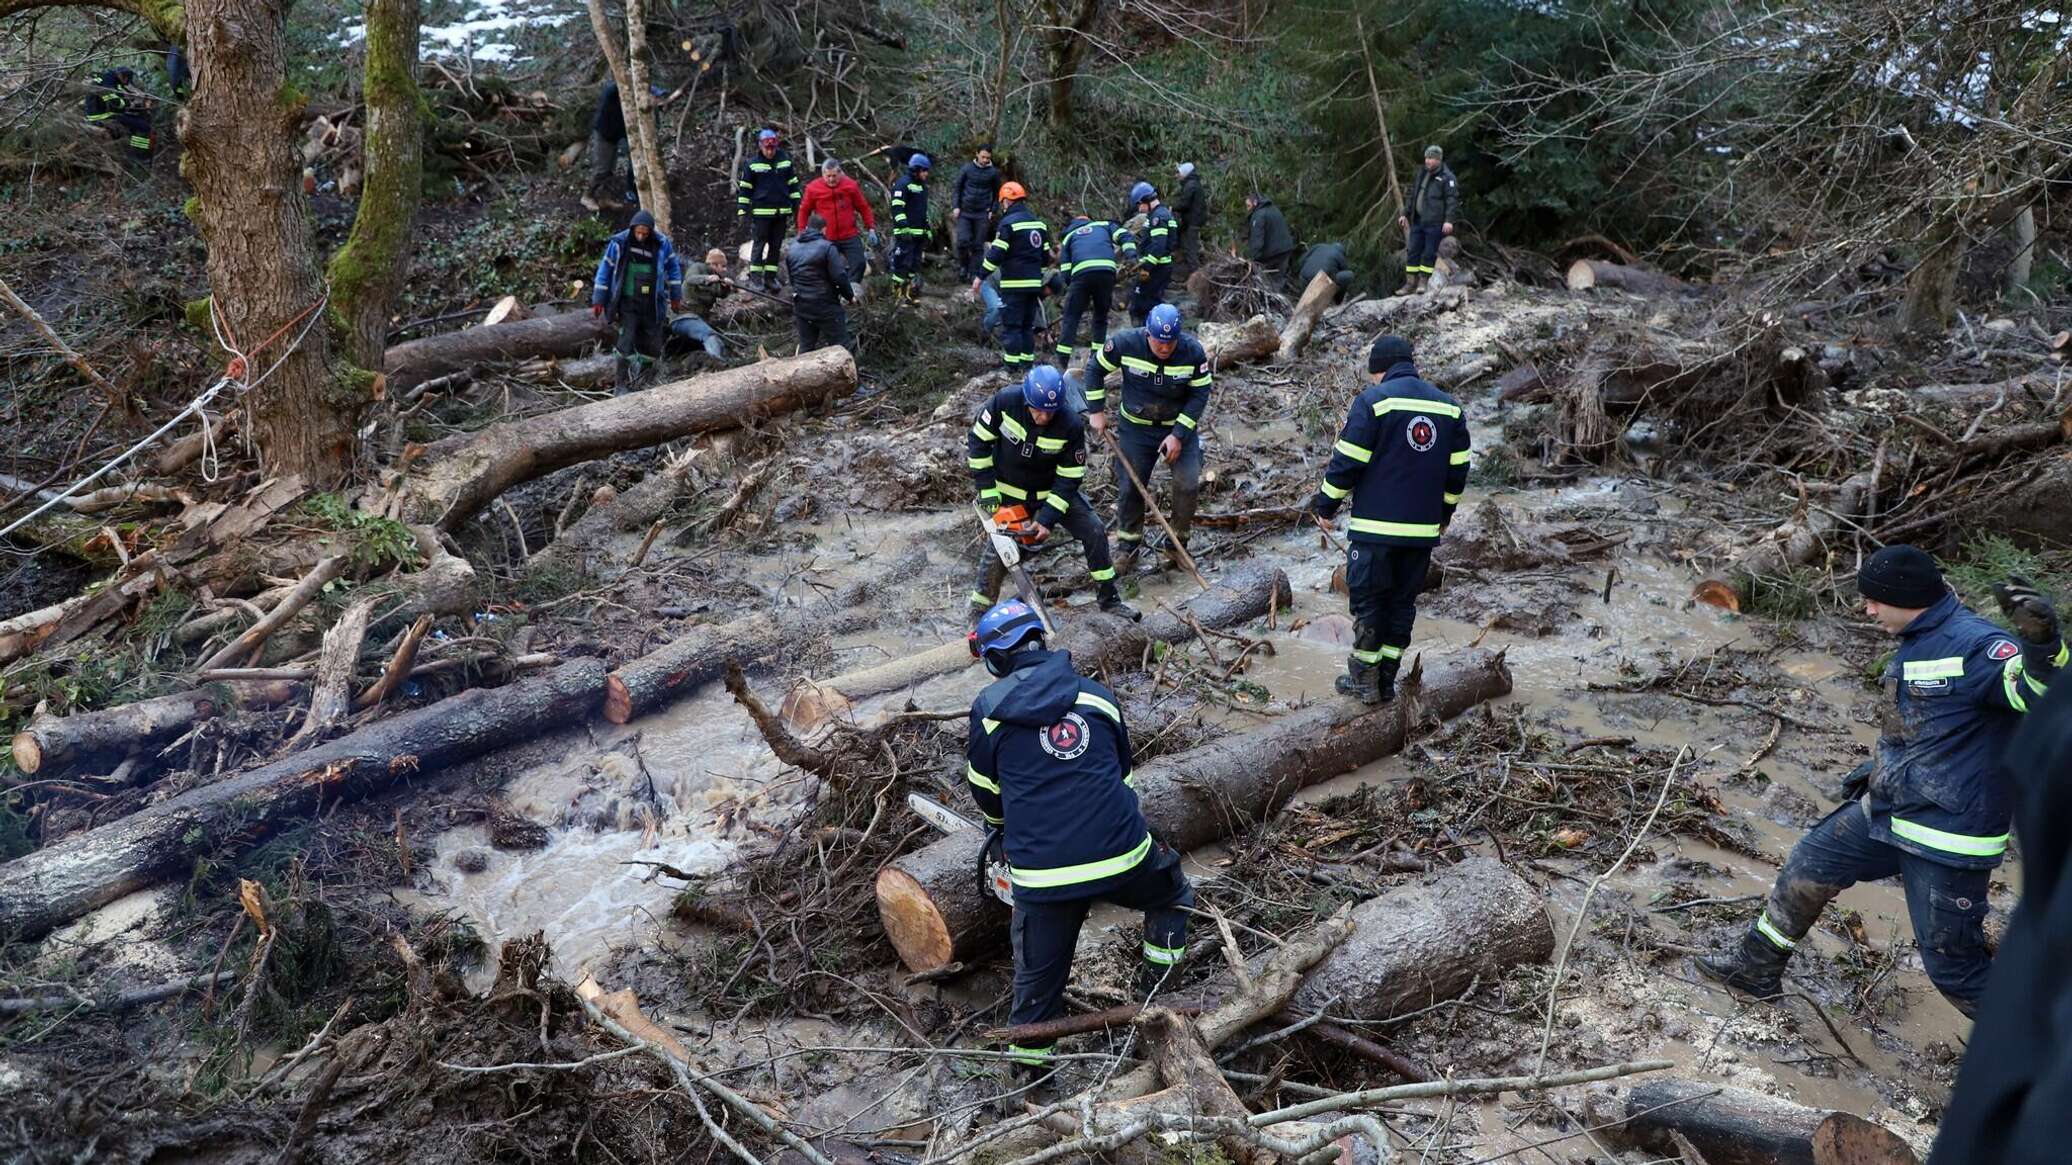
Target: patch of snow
column 471, row 37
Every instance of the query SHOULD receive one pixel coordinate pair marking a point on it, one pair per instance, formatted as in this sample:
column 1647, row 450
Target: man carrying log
column 1048, row 762
column 1434, row 201
column 766, row 195
column 1028, row 458
column 1403, row 459
column 1932, row 805
column 638, row 281
column 1165, row 393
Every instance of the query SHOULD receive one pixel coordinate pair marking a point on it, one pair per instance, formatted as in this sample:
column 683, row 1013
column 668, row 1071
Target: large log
column 1320, row 294
column 929, row 900
column 49, row 887
column 1427, row 942
column 465, row 473
column 1733, row 1126
column 1587, row 274
column 1228, row 345
column 52, row 746
column 413, row 362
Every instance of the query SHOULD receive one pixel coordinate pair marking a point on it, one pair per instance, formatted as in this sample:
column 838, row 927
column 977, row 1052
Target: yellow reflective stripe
column 991, row 726
column 1030, row 225
column 1019, row 284
column 1102, row 575
column 1769, row 930
column 1101, row 354
column 1933, row 669
column 1034, row 1057
column 980, row 779
column 1058, row 502
column 1458, row 458
column 1412, row 404
column 1050, row 444
column 979, row 430
column 1013, row 491
column 1139, row 364
column 981, row 462
column 1450, row 499
column 1184, row 420
column 979, row 600
column 1394, row 529
column 1013, row 428
column 1072, row 472
column 1121, row 863
column 1335, row 493
column 1359, row 453
column 1129, row 780
column 1163, row 956
column 1367, row 656
column 1099, row 705
column 1199, row 381
column 1389, row 651
column 1954, row 843
column 992, row 820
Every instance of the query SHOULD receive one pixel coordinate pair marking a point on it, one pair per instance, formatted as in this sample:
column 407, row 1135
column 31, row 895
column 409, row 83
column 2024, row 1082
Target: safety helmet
column 1012, row 192
column 1142, row 191
column 1003, row 629
column 1163, row 323
column 1043, row 388
column 918, row 162
column 766, row 135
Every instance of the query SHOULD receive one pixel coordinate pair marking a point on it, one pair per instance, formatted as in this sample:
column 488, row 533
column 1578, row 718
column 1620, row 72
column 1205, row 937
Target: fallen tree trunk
column 632, row 509
column 1097, row 642
column 466, row 473
column 43, row 890
column 89, row 740
column 1586, row 274
column 1733, row 1126
column 1245, row 343
column 929, row 900
column 1322, row 290
column 413, row 362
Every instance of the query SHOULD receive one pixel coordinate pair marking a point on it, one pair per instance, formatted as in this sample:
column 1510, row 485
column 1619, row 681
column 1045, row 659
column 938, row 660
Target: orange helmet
column 1012, row 192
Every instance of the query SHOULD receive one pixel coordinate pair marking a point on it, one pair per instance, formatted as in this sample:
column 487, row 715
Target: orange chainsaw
column 1009, row 529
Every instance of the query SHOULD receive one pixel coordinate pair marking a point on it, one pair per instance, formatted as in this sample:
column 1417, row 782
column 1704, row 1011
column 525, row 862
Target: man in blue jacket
column 1048, row 762
column 1154, row 252
column 1087, row 257
column 1165, row 396
column 638, row 281
column 1403, row 460
column 1933, row 805
column 1019, row 252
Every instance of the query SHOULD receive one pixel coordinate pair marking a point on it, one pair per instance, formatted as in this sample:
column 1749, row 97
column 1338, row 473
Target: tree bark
column 238, row 131
column 2019, row 267
column 369, row 269
column 629, row 70
column 1585, row 274
column 1931, row 298
column 45, row 889
column 1733, row 1126
column 929, row 900
column 1228, row 345
column 1303, row 321
column 633, row 509
column 1064, row 47
column 104, row 737
column 413, row 362
column 466, row 473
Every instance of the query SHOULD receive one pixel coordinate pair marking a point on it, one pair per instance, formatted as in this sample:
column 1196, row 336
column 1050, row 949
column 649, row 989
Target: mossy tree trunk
column 369, row 269
column 1068, row 25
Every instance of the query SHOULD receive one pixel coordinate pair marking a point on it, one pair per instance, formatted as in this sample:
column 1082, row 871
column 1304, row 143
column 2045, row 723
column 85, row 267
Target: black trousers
column 1045, row 934
column 822, row 327
column 1018, row 311
column 1382, row 583
column 1081, row 524
column 1090, row 291
column 974, row 231
column 765, row 242
column 906, row 257
column 1423, row 248
column 1149, row 292
column 640, row 344
column 1140, row 444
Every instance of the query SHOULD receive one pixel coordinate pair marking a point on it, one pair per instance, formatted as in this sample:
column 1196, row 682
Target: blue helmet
column 1163, row 323
column 918, row 162
column 1005, row 626
column 766, row 135
column 1142, row 191
column 1043, row 388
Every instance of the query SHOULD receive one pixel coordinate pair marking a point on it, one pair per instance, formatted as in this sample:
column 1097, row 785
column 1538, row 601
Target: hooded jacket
column 1271, row 240
column 1403, row 459
column 838, row 205
column 819, row 277
column 977, row 188
column 609, row 288
column 1048, row 760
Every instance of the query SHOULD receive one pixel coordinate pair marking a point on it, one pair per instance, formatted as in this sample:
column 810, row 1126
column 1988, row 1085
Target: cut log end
column 618, row 700
column 28, row 754
column 916, row 927
column 1581, row 275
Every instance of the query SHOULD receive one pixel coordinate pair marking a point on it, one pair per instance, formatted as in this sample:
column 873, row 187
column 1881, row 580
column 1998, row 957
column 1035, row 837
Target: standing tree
column 1066, row 26
column 629, row 66
column 369, row 269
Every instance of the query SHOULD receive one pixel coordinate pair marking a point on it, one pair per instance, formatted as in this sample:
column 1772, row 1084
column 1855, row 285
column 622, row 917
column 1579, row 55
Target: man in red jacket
column 838, row 199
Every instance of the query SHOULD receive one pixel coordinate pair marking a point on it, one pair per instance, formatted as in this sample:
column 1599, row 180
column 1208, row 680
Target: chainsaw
column 992, row 863
column 1009, row 530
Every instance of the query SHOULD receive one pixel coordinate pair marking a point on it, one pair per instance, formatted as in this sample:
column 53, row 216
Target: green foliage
column 1990, row 558
column 376, row 541
column 1795, row 594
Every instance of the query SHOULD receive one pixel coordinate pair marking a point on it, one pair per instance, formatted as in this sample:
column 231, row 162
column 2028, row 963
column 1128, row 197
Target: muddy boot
column 755, row 281
column 1754, row 967
column 1409, row 286
column 1152, row 980
column 1035, row 1084
column 622, row 376
column 1126, row 557
column 1385, row 679
column 1112, row 604
column 1361, row 681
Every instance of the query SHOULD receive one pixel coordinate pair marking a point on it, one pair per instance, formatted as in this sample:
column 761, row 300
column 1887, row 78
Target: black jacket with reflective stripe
column 768, row 186
column 1155, row 245
column 1155, row 392
column 1093, row 246
column 1019, row 250
column 910, row 206
column 1015, row 461
column 1434, row 196
column 1403, row 459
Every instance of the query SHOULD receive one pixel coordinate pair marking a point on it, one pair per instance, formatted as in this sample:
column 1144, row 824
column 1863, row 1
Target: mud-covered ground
column 588, row 839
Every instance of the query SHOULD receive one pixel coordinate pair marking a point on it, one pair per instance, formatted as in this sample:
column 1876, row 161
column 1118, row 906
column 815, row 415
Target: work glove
column 989, row 498
column 1322, row 505
column 2028, row 610
column 871, row 237
column 597, row 309
column 1854, row 785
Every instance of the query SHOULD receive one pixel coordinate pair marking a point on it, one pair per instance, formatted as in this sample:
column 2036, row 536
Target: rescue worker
column 1434, row 201
column 820, row 285
column 1087, row 254
column 705, row 284
column 1165, row 393
column 1154, row 252
column 839, row 201
column 1027, row 452
column 1048, row 763
column 1269, row 243
column 767, row 192
column 972, row 199
column 909, row 227
column 1325, row 259
column 1933, row 804
column 2009, row 1104
column 1019, row 251
column 1402, row 458
column 124, row 112
column 1190, row 211
column 638, row 281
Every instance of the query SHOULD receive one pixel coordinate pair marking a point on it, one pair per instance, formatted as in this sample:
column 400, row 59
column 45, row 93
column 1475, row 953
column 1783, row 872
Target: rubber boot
column 1111, row 603
column 1361, row 681
column 1152, row 980
column 1755, row 967
column 755, row 281
column 1040, row 1081
column 1409, row 286
column 1385, row 680
column 622, row 376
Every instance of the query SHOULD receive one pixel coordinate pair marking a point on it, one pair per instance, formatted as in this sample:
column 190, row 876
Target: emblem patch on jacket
column 2003, row 650
column 1422, row 434
column 1066, row 739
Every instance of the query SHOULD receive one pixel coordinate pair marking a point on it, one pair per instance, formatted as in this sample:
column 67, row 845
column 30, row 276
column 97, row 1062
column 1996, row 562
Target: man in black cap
column 1932, row 805
column 1403, row 459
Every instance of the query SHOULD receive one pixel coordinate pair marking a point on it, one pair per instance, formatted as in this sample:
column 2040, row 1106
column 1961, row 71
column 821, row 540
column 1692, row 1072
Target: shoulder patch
column 1065, row 740
column 2003, row 649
